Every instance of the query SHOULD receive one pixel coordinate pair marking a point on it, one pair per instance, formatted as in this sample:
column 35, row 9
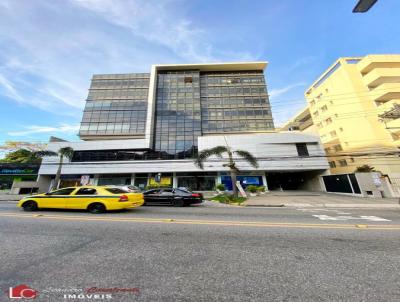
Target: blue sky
column 50, row 49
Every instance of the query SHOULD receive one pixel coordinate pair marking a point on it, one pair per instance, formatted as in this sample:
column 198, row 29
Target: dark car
column 168, row 196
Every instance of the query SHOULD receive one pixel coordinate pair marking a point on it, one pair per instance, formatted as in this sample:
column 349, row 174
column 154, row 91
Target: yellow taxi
column 95, row 199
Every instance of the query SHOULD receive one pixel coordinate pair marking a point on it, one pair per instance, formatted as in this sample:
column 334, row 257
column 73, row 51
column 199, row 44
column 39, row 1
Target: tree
column 365, row 168
column 22, row 156
column 16, row 145
column 231, row 164
column 67, row 152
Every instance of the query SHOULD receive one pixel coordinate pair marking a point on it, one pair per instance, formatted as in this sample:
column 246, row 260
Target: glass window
column 86, row 191
column 302, row 149
column 65, row 191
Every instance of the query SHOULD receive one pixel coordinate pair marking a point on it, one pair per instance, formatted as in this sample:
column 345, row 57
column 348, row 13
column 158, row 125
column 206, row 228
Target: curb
column 328, row 205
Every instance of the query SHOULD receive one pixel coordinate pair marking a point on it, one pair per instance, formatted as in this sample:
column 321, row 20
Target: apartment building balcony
column 391, row 117
column 387, row 106
column 371, row 62
column 386, row 92
column 380, row 76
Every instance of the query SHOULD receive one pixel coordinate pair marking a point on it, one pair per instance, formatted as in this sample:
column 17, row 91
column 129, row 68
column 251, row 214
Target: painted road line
column 207, row 222
column 323, row 210
column 344, row 218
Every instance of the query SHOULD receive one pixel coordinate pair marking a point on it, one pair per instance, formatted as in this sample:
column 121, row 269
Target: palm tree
column 231, row 164
column 67, row 152
column 365, row 168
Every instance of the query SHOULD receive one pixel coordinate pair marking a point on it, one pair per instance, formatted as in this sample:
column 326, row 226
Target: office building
column 138, row 125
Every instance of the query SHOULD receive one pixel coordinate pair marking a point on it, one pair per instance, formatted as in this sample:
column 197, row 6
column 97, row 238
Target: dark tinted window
column 154, row 191
column 86, row 191
column 65, row 191
column 180, row 191
column 116, row 190
column 302, row 149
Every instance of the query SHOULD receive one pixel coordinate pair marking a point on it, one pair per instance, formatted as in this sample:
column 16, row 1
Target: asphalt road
column 203, row 254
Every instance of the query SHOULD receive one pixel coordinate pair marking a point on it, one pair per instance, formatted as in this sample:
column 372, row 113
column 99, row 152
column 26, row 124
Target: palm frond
column 44, row 153
column 206, row 153
column 67, row 152
column 247, row 157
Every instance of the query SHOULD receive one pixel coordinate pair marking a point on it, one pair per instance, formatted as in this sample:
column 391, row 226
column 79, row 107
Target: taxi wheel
column 30, row 206
column 96, row 208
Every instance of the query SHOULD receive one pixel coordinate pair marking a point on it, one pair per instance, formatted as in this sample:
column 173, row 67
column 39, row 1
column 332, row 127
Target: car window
column 166, row 192
column 86, row 191
column 184, row 189
column 180, row 191
column 116, row 190
column 66, row 191
column 154, row 191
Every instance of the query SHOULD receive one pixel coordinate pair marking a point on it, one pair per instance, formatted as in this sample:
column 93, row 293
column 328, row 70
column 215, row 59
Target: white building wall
column 275, row 152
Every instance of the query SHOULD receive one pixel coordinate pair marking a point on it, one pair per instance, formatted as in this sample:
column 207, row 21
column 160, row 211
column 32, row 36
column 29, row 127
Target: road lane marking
column 203, row 222
column 344, row 218
column 324, row 210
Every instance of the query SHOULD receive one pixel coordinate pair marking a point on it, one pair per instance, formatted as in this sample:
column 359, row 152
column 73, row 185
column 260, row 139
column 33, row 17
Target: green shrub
column 228, row 198
column 261, row 189
column 252, row 189
column 220, row 187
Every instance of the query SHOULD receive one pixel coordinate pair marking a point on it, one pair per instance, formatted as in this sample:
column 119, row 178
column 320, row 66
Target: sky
column 49, row 50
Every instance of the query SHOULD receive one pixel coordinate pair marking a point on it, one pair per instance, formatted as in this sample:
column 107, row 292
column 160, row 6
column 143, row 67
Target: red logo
column 22, row 291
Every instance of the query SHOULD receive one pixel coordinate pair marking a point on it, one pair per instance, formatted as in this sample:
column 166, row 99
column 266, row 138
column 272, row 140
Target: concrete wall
column 275, row 152
column 17, row 185
column 374, row 182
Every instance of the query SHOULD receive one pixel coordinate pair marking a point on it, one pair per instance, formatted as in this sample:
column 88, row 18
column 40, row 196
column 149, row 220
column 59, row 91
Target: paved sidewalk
column 319, row 199
column 11, row 197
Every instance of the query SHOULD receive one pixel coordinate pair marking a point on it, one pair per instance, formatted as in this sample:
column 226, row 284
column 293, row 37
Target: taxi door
column 82, row 198
column 56, row 199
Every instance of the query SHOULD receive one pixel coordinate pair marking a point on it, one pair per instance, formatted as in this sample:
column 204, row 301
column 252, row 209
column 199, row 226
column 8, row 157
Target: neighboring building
column 302, row 121
column 136, row 126
column 353, row 106
column 11, row 173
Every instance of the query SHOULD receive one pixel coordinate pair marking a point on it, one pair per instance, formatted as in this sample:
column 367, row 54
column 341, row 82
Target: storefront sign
column 85, row 180
column 164, row 181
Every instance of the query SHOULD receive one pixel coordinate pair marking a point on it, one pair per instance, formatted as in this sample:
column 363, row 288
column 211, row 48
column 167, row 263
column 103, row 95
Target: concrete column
column 174, row 180
column 95, row 180
column 265, row 183
column 218, row 178
column 133, row 179
column 148, row 178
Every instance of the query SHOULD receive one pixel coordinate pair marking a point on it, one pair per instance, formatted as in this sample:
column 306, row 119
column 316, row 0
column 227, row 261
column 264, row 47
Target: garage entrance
column 304, row 180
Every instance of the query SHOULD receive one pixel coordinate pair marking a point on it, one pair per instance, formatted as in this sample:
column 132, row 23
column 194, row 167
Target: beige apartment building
column 353, row 106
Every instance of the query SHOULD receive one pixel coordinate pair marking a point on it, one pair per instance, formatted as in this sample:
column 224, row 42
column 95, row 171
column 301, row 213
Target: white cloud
column 33, row 129
column 273, row 93
column 163, row 23
column 9, row 89
column 49, row 50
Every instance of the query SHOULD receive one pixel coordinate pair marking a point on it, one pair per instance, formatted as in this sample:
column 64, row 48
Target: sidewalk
column 319, row 199
column 11, row 197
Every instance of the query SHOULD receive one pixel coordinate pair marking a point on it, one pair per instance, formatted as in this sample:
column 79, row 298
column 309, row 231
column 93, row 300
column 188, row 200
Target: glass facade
column 234, row 102
column 188, row 104
column 116, row 105
column 177, row 114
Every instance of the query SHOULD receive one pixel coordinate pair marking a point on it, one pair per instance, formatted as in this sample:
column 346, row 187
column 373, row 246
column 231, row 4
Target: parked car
column 95, row 199
column 169, row 196
column 127, row 188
